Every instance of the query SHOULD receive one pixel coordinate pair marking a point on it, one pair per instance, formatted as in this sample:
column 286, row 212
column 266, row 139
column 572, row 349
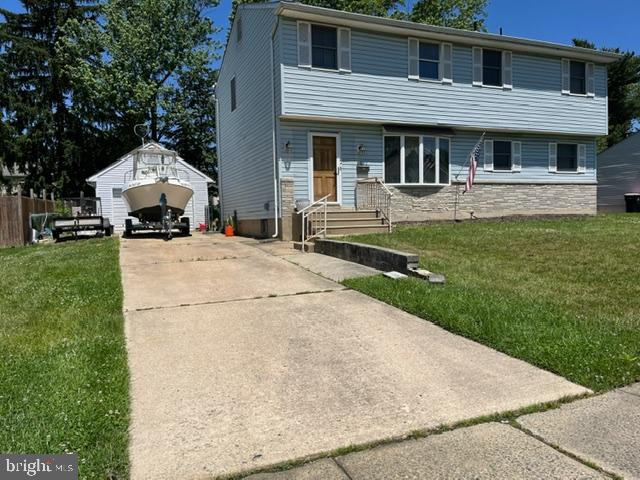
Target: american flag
column 473, row 165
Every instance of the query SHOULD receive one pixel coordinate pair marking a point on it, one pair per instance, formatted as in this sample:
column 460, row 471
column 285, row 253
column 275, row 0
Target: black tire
column 185, row 229
column 55, row 234
column 128, row 227
column 108, row 231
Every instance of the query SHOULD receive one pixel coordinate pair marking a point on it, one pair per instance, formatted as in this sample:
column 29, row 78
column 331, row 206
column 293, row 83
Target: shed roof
column 149, row 145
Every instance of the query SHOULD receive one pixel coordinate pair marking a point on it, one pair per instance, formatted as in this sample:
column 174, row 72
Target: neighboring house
column 108, row 185
column 618, row 173
column 11, row 180
column 312, row 102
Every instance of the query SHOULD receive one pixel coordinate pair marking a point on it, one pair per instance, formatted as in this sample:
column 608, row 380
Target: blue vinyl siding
column 378, row 90
column 245, row 150
column 295, row 163
column 535, row 156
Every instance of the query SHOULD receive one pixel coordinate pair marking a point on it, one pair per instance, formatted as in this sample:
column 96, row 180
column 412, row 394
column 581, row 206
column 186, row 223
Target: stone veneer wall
column 287, row 199
column 491, row 200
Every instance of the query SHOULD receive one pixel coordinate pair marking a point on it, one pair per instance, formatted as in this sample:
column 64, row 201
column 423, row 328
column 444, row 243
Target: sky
column 612, row 23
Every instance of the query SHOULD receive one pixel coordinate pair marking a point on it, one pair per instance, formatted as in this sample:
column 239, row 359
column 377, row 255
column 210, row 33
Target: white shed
column 108, row 184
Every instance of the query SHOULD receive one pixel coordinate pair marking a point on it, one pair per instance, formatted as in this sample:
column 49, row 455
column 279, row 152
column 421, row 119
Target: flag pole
column 455, row 205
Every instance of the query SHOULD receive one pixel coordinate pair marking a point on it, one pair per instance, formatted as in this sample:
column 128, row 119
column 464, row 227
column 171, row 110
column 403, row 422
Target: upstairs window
column 324, row 47
column 233, row 94
column 429, row 56
column 578, row 78
column 567, row 157
column 492, row 67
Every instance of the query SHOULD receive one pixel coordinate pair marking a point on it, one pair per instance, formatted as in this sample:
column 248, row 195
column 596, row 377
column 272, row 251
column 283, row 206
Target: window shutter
column 553, row 157
column 414, row 47
column 516, row 156
column 591, row 83
column 566, row 67
column 477, row 66
column 507, row 70
column 446, row 59
column 488, row 155
column 344, row 47
column 582, row 158
column 304, row 44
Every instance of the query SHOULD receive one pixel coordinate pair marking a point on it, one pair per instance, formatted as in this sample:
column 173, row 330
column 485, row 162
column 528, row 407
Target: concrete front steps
column 354, row 222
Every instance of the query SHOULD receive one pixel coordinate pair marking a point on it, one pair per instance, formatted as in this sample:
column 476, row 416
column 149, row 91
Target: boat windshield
column 154, row 163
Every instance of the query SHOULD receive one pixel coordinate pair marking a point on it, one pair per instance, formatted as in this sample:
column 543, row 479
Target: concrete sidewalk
column 596, row 437
column 240, row 359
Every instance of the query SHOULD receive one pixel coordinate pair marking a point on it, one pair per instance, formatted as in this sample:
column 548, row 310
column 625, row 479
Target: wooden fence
column 14, row 217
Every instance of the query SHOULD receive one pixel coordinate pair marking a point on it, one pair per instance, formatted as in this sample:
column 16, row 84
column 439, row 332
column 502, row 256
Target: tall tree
column 464, row 14
column 623, row 86
column 147, row 61
column 39, row 134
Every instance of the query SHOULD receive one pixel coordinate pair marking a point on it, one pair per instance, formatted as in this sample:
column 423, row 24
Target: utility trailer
column 84, row 215
column 79, row 223
column 166, row 226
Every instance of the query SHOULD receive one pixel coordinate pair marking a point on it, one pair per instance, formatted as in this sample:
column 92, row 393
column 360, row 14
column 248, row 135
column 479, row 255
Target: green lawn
column 561, row 294
column 63, row 374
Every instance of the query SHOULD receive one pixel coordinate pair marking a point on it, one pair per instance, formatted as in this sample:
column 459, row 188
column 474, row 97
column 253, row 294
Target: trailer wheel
column 128, row 227
column 185, row 229
column 55, row 234
column 108, row 231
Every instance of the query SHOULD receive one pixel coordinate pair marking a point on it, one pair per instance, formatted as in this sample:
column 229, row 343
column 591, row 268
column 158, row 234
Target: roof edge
column 402, row 27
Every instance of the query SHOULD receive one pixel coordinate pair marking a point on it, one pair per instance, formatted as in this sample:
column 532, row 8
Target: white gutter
column 276, row 203
column 447, row 34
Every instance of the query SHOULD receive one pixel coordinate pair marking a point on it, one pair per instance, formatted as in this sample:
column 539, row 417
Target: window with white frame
column 502, row 156
column 578, row 78
column 430, row 61
column 567, row 157
column 416, row 160
column 324, row 47
column 429, row 57
column 492, row 68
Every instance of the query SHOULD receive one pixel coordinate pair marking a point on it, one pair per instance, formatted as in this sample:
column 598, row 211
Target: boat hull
column 143, row 198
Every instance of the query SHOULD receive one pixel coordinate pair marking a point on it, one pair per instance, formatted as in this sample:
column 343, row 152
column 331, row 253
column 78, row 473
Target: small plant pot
column 228, row 230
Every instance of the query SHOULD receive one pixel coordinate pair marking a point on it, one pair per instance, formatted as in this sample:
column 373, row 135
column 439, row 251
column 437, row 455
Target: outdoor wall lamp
column 288, row 146
column 361, row 149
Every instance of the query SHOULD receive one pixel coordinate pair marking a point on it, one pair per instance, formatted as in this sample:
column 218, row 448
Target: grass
column 561, row 294
column 64, row 377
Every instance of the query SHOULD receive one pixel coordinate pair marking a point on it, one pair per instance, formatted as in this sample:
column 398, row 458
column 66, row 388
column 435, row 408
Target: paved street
column 241, row 359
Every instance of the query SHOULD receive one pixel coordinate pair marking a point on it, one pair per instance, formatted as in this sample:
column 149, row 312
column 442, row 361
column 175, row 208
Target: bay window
column 416, row 160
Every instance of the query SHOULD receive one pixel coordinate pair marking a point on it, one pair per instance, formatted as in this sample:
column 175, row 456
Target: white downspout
column 276, row 205
column 218, row 149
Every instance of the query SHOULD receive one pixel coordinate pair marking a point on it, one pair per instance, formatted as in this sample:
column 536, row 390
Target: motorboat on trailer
column 156, row 191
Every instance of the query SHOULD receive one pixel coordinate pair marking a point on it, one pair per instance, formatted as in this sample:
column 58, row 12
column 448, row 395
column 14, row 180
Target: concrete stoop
column 354, row 222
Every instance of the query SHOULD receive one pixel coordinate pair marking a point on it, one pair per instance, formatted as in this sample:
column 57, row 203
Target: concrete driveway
column 242, row 359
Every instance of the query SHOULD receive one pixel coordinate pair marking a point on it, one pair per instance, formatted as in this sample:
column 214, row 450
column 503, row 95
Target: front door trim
column 336, row 135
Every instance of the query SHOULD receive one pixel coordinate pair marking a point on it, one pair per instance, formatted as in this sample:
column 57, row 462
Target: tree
column 147, row 61
column 623, row 87
column 464, row 14
column 39, row 134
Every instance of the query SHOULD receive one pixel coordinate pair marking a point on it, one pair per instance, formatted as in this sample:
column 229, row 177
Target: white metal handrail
column 375, row 195
column 314, row 220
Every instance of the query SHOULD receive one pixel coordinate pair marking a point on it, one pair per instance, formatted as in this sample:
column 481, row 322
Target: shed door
column 325, row 168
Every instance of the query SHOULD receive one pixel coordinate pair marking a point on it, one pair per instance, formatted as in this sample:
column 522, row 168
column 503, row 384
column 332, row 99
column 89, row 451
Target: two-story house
column 313, row 103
